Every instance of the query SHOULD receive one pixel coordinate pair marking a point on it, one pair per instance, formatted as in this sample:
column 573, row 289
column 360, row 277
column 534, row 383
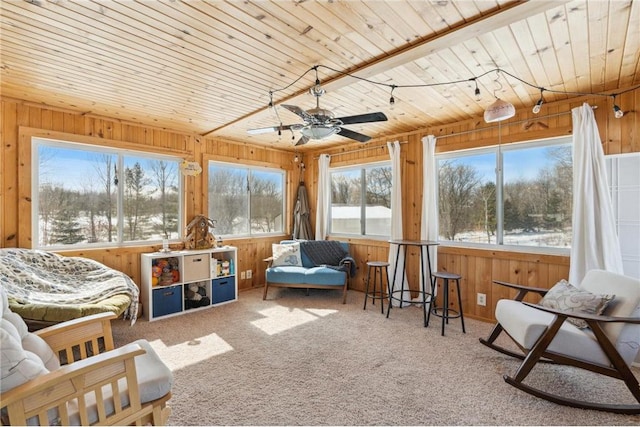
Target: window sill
column 498, row 250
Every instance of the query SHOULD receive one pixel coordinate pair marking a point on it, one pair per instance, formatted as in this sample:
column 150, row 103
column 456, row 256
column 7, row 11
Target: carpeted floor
column 310, row 360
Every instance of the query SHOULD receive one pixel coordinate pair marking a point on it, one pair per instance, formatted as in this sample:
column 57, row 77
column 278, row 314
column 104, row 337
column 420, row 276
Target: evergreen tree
column 65, row 228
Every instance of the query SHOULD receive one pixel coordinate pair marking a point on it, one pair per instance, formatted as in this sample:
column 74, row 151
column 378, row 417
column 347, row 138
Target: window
column 361, row 200
column 519, row 195
column 246, row 201
column 90, row 195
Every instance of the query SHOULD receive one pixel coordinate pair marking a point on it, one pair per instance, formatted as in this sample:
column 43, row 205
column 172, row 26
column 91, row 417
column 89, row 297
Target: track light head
column 392, row 100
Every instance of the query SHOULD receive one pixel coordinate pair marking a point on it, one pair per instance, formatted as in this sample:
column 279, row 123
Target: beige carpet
column 310, row 360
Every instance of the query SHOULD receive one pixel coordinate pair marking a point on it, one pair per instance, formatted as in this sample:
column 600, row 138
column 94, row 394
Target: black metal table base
column 426, row 292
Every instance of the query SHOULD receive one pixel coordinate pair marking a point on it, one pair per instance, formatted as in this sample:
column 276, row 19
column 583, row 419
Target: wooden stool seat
column 377, row 264
column 446, row 311
column 380, row 267
column 446, row 275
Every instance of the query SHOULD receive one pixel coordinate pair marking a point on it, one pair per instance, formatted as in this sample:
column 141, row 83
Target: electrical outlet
column 482, row 299
column 249, row 274
column 242, row 275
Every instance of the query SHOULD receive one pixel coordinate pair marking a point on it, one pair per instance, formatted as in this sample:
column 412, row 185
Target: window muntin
column 519, row 195
column 246, row 201
column 361, row 200
column 95, row 196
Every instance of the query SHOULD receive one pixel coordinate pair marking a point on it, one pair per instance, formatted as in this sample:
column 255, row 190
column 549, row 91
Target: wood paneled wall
column 479, row 267
column 21, row 120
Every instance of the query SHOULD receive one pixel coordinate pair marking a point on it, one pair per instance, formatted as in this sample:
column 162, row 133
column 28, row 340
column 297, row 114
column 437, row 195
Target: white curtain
column 429, row 224
column 595, row 240
column 324, row 191
column 396, row 227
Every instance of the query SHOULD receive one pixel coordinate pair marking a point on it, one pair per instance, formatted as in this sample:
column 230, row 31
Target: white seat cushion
column 154, row 381
column 525, row 325
column 154, row 377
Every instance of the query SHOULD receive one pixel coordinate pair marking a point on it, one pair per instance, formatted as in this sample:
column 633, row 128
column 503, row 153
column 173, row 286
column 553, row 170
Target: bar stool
column 380, row 267
column 445, row 315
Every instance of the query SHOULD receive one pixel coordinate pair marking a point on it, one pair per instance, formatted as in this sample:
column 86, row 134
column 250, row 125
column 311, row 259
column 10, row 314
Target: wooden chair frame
column 307, row 286
column 618, row 368
column 540, row 353
column 497, row 329
column 87, row 343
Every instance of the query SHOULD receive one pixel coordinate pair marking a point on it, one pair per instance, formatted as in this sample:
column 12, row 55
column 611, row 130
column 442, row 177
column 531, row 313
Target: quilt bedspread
column 36, row 277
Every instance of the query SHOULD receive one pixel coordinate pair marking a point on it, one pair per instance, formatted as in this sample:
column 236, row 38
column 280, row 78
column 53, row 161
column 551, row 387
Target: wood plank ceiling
column 207, row 67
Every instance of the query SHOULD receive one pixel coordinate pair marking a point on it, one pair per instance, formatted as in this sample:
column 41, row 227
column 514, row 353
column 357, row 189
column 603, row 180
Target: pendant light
column 499, row 110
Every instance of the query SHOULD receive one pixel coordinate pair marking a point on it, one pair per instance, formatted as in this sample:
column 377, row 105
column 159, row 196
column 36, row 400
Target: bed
column 46, row 288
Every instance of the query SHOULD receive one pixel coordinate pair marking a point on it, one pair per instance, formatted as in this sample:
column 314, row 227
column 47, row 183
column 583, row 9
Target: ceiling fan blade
column 363, row 118
column 303, row 140
column 299, row 111
column 354, row 135
column 259, row 131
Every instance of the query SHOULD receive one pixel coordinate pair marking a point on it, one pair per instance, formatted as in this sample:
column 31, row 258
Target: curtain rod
column 593, row 107
column 360, row 149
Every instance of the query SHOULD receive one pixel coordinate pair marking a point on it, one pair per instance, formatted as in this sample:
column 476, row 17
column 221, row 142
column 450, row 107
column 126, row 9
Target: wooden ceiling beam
column 507, row 15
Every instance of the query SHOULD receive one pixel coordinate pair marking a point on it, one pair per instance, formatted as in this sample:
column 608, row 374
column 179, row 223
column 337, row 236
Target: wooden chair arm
column 269, row 261
column 90, row 334
column 56, row 389
column 585, row 316
column 522, row 290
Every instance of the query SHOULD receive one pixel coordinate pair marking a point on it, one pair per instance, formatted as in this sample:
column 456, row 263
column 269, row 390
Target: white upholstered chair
column 37, row 389
column 606, row 343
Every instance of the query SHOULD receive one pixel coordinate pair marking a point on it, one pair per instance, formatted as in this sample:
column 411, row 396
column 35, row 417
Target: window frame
column 120, row 153
column 499, row 150
column 248, row 167
column 362, row 167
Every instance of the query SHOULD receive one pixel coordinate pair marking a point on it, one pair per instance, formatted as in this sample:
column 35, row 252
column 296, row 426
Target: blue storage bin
column 223, row 289
column 167, row 300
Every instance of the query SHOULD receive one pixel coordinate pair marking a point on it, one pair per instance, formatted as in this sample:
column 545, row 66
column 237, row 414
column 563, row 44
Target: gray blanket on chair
column 329, row 253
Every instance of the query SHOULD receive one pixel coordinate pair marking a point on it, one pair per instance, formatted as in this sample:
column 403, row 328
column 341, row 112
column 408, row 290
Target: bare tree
column 486, row 197
column 228, row 196
column 266, row 204
column 345, row 190
column 457, row 186
column 106, row 171
column 164, row 175
column 90, row 206
column 379, row 186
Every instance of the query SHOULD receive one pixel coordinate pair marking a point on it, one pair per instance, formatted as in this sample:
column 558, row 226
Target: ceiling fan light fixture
column 319, row 131
column 498, row 111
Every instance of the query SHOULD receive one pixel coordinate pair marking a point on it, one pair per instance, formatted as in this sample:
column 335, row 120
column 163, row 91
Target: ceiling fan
column 319, row 123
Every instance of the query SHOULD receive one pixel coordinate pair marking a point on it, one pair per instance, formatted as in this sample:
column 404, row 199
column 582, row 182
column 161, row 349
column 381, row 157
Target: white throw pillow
column 564, row 296
column 17, row 365
column 38, row 346
column 286, row 254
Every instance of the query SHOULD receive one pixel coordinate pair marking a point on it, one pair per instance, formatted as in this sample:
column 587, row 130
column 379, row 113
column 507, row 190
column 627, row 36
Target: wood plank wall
column 478, row 267
column 21, row 120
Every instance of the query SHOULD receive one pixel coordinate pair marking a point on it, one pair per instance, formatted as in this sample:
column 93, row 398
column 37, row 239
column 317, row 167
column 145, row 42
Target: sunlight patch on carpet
column 278, row 319
column 190, row 352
